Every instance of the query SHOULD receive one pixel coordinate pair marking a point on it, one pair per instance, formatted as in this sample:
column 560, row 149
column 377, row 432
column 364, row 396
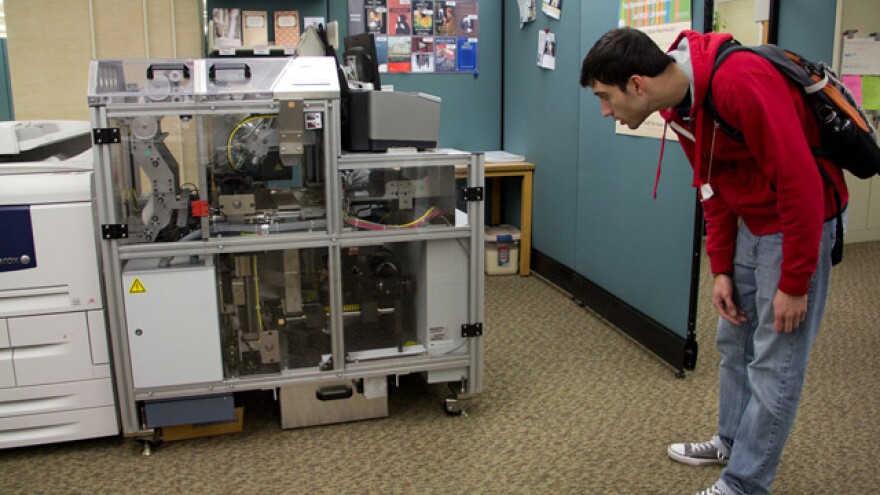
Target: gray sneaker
column 697, row 454
column 712, row 490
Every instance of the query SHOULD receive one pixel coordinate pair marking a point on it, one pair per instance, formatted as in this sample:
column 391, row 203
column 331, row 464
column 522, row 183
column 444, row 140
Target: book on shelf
column 255, row 28
column 227, row 28
column 286, row 27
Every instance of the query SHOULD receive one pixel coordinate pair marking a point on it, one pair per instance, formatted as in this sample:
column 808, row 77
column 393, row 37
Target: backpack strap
column 837, row 248
column 726, row 49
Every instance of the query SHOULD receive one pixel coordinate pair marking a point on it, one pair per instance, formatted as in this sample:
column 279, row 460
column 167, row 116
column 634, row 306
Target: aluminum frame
column 334, row 237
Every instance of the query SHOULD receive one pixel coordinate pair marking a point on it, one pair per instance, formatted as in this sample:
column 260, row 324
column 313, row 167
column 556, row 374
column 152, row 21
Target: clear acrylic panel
column 175, row 175
column 242, row 78
column 399, row 198
column 155, row 176
column 154, row 81
column 254, row 191
column 274, row 308
column 405, row 298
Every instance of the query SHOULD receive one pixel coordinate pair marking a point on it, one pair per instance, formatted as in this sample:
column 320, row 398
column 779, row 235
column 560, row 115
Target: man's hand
column 788, row 311
column 722, row 298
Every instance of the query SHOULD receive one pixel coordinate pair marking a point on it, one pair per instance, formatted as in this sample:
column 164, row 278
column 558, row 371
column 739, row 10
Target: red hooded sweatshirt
column 771, row 181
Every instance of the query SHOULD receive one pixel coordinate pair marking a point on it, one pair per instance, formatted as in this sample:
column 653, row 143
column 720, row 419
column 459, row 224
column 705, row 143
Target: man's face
column 627, row 107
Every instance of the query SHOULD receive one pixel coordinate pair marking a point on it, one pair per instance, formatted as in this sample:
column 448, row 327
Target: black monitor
column 360, row 53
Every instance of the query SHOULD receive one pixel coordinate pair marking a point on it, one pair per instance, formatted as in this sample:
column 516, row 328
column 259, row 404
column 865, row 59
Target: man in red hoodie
column 770, row 223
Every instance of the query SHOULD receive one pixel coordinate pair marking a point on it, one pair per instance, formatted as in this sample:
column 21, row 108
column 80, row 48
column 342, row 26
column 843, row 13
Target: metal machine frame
column 462, row 370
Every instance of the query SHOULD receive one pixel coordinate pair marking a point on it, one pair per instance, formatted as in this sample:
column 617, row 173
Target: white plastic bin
column 502, row 250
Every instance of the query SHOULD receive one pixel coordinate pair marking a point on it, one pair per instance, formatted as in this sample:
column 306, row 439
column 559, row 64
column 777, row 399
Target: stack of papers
column 503, row 156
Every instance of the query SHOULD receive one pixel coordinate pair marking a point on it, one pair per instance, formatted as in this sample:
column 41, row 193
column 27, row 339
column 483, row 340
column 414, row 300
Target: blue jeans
column 762, row 371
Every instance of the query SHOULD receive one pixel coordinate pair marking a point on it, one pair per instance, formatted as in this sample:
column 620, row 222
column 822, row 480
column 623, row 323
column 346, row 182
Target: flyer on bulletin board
column 423, row 36
column 661, row 20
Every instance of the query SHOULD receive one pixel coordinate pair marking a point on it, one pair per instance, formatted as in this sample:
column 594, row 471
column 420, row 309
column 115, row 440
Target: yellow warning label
column 137, row 287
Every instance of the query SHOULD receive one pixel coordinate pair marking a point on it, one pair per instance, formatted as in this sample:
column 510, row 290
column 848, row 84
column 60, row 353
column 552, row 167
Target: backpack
column 847, row 137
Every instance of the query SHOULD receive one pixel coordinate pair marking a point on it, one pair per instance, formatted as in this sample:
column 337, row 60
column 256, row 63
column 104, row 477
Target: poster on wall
column 527, row 12
column 553, row 8
column 423, row 54
column 661, row 20
column 376, row 16
column 420, row 36
column 399, row 18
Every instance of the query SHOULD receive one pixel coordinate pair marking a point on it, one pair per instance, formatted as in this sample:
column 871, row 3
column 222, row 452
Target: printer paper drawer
column 40, row 399
column 58, row 427
column 50, row 349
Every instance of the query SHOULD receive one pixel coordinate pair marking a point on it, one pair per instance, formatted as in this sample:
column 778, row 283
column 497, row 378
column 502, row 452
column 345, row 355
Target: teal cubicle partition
column 597, row 232
column 807, row 27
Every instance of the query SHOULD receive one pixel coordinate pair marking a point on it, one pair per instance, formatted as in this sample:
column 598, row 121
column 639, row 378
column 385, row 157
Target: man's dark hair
column 619, row 54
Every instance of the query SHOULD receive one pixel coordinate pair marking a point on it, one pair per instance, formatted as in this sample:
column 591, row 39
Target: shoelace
column 712, row 490
column 697, row 448
column 701, row 447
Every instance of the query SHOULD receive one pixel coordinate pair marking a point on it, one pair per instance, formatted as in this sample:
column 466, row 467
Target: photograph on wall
column 467, row 54
column 416, row 26
column 445, row 59
column 553, row 8
column 399, row 17
column 661, row 20
column 423, row 54
column 375, row 15
column 546, row 50
column 423, row 18
column 399, row 54
column 444, row 18
column 227, row 27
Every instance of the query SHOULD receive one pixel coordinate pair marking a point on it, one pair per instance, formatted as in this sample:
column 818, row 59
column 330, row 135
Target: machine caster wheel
column 452, row 407
column 148, row 445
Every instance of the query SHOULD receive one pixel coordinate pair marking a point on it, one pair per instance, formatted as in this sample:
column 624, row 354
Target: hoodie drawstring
column 660, row 161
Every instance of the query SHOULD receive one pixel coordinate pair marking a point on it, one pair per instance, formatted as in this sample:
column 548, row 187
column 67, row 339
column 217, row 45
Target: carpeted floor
column 571, row 406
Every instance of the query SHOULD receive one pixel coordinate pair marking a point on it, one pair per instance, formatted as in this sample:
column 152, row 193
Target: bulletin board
column 420, row 36
column 860, row 70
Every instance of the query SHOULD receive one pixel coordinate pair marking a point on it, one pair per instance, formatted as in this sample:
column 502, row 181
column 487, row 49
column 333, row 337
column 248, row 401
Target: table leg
column 525, row 243
column 495, row 207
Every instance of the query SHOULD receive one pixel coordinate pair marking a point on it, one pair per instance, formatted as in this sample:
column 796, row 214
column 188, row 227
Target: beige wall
column 50, row 44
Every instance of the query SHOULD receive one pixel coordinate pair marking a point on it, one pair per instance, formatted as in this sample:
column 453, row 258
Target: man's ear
column 638, row 84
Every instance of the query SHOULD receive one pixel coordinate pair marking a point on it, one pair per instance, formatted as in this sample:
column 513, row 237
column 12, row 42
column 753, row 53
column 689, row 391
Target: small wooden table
column 495, row 171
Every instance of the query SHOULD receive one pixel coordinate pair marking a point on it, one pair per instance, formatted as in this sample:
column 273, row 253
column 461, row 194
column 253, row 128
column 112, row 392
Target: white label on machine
column 438, row 336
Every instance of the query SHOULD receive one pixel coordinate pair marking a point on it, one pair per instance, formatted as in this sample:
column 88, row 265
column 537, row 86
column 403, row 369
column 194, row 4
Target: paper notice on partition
column 854, row 85
column 861, row 56
column 871, row 92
